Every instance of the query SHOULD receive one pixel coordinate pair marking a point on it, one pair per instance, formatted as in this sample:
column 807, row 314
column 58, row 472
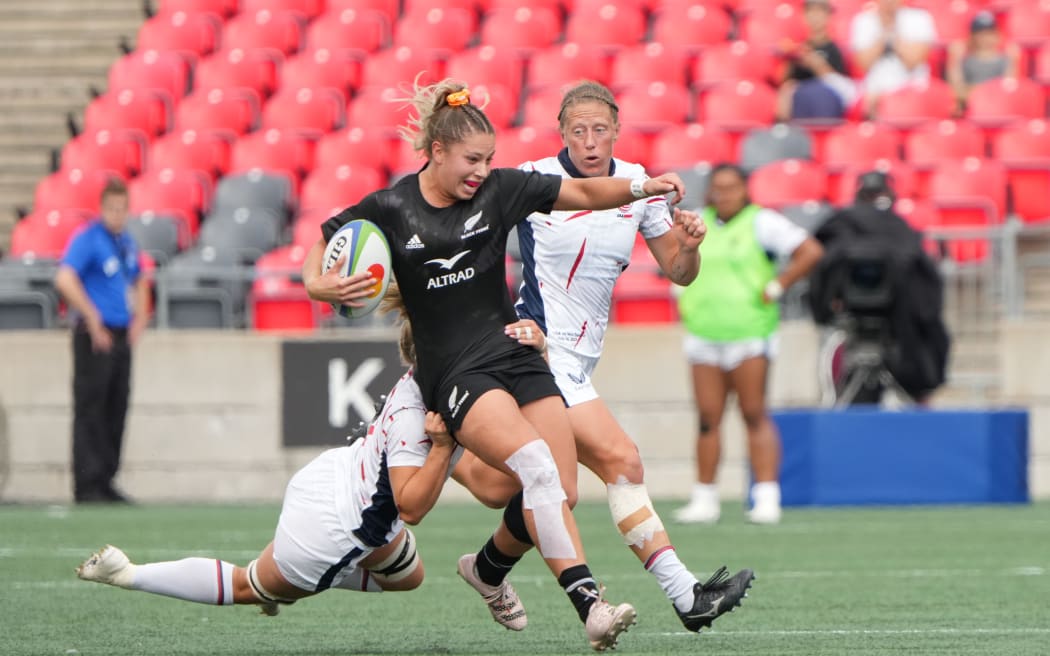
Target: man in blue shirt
column 99, row 277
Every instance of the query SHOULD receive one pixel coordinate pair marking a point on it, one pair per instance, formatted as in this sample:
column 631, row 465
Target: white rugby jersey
column 571, row 259
column 395, row 438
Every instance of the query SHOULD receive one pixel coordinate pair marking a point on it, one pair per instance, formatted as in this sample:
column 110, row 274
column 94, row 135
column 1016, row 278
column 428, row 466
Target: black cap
column 873, row 184
column 983, row 20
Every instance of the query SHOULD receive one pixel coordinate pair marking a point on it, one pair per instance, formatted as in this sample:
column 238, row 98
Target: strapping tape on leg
column 261, row 593
column 633, row 513
column 543, row 494
column 399, row 564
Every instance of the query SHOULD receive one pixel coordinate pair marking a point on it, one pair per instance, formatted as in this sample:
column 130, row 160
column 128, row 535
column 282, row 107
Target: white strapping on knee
column 632, row 512
column 401, row 563
column 261, row 593
column 543, row 495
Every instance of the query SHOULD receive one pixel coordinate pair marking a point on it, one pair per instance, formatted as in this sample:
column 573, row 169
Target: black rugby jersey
column 450, row 264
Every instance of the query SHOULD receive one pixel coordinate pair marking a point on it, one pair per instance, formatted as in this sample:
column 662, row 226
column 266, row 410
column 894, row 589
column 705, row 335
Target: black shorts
column 526, row 377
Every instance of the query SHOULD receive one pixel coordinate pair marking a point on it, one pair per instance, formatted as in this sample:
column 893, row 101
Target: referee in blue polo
column 101, row 281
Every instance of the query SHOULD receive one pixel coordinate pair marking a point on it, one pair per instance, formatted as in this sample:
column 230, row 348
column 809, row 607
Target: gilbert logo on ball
column 366, row 250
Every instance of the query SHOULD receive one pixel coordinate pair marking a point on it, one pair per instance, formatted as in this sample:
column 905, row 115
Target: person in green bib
column 730, row 313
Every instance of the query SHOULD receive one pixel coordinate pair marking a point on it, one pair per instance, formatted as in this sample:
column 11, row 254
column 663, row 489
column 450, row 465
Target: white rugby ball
column 366, row 249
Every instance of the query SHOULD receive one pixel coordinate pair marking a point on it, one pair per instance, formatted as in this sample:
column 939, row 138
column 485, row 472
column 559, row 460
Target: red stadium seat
column 191, row 149
column 929, row 144
column 401, row 65
column 151, row 70
column 685, row 146
column 264, row 29
column 932, row 100
column 656, row 105
column 45, row 235
column 642, row 296
column 308, row 8
column 860, row 144
column 423, row 5
column 388, row 8
column 842, row 186
column 309, row 111
column 119, row 151
column 566, row 64
column 285, row 152
column 357, row 30
column 340, row 186
column 322, row 68
column 969, row 192
column 70, row 189
column 355, row 146
column 406, row 159
column 1028, row 23
column 521, row 29
column 733, row 62
column 221, row 8
column 1024, row 149
column 691, row 25
column 788, row 182
column 1002, row 100
column 278, row 300
column 189, row 34
column 771, row 29
column 553, row 5
column 634, row 145
column 610, row 26
column 379, row 108
column 183, row 193
column 237, row 68
column 526, row 144
column 490, row 66
column 229, row 112
column 737, row 107
column 952, row 18
column 1041, row 64
column 541, row 107
column 502, row 105
column 440, row 32
column 650, row 62
column 306, row 229
column 128, row 109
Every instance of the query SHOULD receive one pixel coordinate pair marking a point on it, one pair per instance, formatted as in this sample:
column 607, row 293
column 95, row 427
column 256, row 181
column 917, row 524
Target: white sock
column 705, row 492
column 204, row 580
column 677, row 581
column 766, row 494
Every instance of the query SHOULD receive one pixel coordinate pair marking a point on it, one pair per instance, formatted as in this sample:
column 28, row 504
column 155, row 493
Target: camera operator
column 877, row 282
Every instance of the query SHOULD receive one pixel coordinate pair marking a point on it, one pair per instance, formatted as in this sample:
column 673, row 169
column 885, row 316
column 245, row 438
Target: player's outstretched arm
column 607, row 193
column 416, row 489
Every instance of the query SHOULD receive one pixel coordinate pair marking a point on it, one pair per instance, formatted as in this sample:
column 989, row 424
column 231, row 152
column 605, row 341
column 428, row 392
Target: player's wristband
column 638, row 188
column 774, row 290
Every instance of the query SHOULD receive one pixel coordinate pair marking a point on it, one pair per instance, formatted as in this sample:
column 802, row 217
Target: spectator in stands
column 100, row 279
column 868, row 244
column 447, row 229
column 816, row 84
column 891, row 44
column 559, row 248
column 730, row 313
column 337, row 529
column 984, row 56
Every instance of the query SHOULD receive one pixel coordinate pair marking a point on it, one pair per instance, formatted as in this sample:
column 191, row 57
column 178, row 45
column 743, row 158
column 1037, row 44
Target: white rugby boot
column 502, row 601
column 108, row 565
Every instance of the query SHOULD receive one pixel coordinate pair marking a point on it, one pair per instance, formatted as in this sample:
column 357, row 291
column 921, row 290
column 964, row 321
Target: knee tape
column 633, row 513
column 543, row 494
column 261, row 593
column 399, row 564
column 514, row 519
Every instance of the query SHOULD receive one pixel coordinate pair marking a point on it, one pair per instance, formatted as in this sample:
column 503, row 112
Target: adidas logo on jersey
column 415, row 243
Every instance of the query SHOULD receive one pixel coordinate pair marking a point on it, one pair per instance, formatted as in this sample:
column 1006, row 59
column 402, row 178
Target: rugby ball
column 366, row 249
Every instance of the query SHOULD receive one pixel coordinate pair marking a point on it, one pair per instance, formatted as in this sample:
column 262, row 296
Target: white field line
column 861, row 632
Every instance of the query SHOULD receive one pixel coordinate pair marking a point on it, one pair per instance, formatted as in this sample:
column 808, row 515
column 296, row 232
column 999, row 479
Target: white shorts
column 727, row 356
column 572, row 373
column 311, row 547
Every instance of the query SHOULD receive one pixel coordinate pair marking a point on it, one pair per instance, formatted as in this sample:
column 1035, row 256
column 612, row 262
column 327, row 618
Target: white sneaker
column 700, row 510
column 502, row 601
column 606, row 622
column 764, row 514
column 109, row 565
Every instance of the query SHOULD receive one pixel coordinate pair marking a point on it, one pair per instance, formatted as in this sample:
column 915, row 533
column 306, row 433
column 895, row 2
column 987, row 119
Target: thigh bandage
column 399, row 564
column 261, row 593
column 543, row 494
column 633, row 513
